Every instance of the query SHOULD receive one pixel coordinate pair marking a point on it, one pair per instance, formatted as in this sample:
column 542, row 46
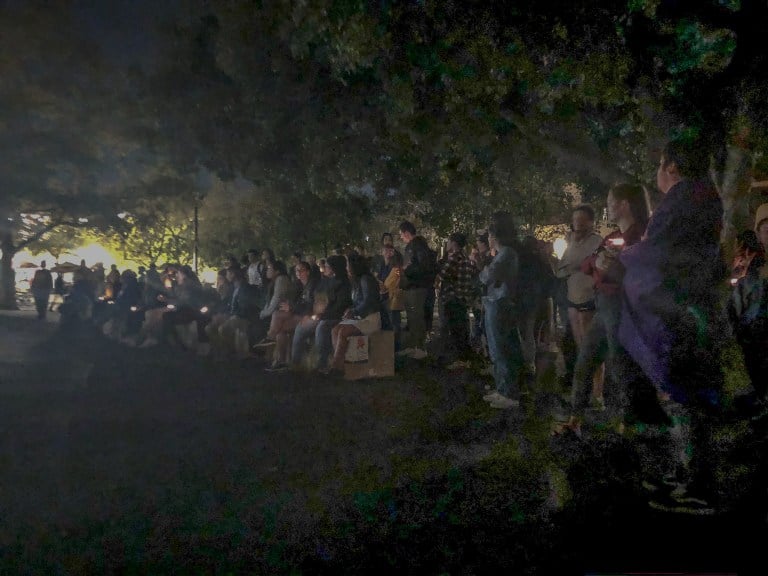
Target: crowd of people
column 641, row 310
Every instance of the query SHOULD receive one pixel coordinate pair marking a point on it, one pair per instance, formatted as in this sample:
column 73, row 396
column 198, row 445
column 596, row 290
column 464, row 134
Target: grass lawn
column 117, row 460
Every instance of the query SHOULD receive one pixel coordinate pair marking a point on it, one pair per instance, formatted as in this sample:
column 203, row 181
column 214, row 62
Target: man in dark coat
column 42, row 285
column 671, row 320
column 418, row 278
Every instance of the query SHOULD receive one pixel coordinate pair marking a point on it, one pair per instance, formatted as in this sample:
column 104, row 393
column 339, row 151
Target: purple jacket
column 671, row 282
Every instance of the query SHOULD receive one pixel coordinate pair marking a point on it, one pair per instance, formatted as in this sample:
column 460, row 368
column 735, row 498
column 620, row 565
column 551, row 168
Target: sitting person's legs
column 278, row 321
column 323, row 341
column 305, row 329
column 283, row 339
column 212, row 330
column 340, row 343
column 228, row 331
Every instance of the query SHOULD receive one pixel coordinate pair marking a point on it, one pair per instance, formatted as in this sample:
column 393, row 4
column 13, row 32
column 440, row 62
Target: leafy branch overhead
column 324, row 116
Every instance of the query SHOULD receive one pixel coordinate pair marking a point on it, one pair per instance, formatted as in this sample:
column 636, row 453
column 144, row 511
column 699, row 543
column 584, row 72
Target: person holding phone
column 628, row 209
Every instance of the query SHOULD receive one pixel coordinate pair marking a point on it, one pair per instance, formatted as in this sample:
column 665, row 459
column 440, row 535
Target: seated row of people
column 312, row 308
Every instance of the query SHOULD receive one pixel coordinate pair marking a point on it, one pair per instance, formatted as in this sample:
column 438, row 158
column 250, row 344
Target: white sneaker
column 492, row 396
column 418, row 354
column 504, row 403
column 405, row 352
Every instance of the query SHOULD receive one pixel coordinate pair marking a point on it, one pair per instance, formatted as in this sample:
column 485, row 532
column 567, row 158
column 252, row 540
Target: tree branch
column 580, row 159
column 44, row 230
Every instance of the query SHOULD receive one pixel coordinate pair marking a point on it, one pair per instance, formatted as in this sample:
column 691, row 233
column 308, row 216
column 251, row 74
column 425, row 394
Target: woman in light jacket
column 280, row 290
column 363, row 317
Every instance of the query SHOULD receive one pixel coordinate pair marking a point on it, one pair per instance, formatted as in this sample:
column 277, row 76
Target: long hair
column 634, row 194
column 358, row 265
column 503, row 226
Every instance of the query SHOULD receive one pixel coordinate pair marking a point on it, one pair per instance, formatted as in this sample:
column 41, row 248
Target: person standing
column 579, row 289
column 672, row 325
column 59, row 289
column 394, row 293
column 42, row 285
column 628, row 209
column 417, row 278
column 458, row 291
column 481, row 256
column 581, row 296
column 748, row 312
column 500, row 278
column 113, row 283
column 254, row 275
column 761, row 225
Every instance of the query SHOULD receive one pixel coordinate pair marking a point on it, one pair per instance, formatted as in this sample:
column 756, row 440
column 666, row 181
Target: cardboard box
column 381, row 358
column 357, row 349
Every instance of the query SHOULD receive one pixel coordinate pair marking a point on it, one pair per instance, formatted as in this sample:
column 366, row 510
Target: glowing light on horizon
column 92, row 254
column 559, row 247
column 208, row 276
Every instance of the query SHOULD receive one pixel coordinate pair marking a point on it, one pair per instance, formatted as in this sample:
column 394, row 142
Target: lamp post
column 196, row 246
column 203, row 183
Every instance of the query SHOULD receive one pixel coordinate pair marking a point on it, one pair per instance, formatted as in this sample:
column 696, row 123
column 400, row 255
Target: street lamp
column 196, row 247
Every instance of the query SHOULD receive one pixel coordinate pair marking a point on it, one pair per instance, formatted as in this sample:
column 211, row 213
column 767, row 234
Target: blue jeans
column 303, row 332
column 320, row 330
column 324, row 342
column 504, row 345
column 600, row 345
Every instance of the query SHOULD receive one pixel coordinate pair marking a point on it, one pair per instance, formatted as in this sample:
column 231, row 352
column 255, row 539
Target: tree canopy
column 319, row 117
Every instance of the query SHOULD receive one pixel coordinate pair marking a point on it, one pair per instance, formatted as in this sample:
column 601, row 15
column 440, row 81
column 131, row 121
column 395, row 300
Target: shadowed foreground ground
column 116, row 460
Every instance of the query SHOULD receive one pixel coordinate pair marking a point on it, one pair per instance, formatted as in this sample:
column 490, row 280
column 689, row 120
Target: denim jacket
column 500, row 275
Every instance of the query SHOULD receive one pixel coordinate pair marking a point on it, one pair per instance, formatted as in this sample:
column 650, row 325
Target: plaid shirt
column 458, row 279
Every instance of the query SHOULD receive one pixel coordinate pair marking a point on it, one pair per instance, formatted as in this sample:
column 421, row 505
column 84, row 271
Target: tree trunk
column 7, row 273
column 734, row 184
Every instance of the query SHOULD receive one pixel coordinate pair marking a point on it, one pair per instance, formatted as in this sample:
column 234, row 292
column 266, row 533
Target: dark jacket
column 129, row 295
column 153, row 287
column 190, row 293
column 244, row 302
column 219, row 301
column 421, row 264
column 339, row 294
column 365, row 296
column 42, row 281
column 306, row 300
column 748, row 306
column 670, row 305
